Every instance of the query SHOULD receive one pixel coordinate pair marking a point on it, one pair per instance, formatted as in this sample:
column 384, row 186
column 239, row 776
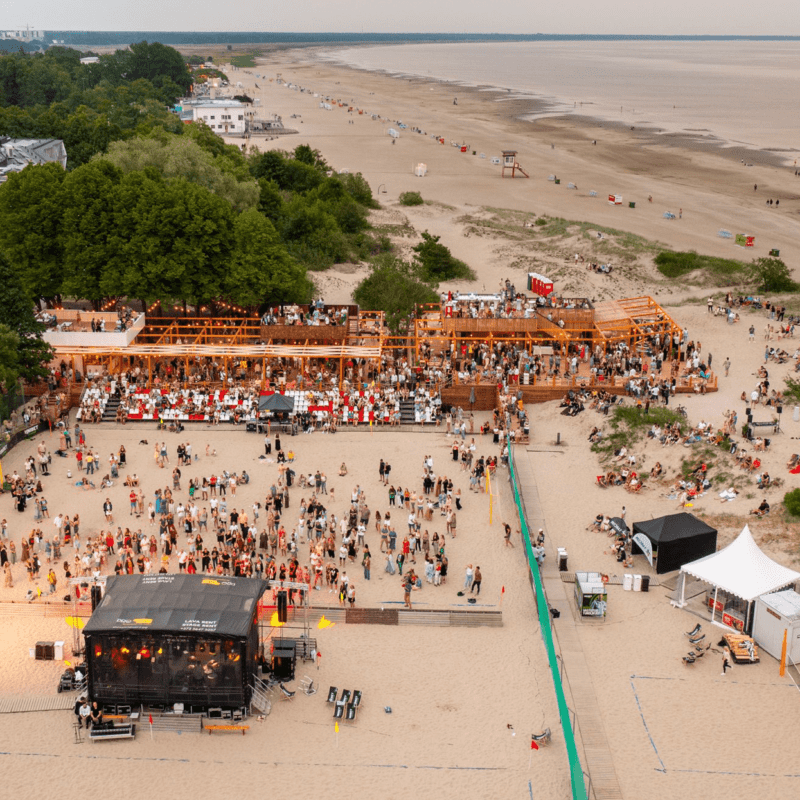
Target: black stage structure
column 159, row 640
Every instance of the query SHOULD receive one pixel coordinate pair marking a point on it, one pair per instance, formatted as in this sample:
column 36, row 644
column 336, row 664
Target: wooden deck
column 25, row 703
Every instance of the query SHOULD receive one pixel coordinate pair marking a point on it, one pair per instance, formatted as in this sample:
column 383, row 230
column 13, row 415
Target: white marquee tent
column 741, row 569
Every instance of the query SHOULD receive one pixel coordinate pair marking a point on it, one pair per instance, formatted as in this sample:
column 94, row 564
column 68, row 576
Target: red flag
column 503, row 590
column 534, row 746
column 151, row 719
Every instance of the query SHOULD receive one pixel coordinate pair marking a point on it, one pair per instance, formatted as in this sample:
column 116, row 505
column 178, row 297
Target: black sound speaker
column 779, row 409
column 251, row 427
column 282, row 607
column 749, row 412
column 96, row 597
column 283, row 665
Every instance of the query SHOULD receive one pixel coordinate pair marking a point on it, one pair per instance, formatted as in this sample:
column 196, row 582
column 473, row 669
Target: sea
column 737, row 93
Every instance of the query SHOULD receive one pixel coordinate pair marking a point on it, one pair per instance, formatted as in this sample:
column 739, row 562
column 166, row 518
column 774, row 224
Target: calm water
column 742, row 92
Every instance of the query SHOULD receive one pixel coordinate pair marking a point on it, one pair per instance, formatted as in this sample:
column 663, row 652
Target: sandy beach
column 466, row 700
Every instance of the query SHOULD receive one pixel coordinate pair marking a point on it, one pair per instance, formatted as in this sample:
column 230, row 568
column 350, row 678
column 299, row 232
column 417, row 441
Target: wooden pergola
column 232, row 341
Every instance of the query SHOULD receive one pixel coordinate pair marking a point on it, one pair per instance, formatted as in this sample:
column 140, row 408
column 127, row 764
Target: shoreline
column 533, row 109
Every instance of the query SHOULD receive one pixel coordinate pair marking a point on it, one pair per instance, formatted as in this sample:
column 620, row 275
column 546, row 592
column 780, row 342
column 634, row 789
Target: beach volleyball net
column 543, row 611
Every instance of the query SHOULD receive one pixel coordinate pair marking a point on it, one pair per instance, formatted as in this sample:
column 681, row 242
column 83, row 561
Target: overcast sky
column 691, row 17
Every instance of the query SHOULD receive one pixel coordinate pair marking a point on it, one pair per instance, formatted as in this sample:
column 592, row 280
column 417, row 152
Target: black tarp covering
column 216, row 606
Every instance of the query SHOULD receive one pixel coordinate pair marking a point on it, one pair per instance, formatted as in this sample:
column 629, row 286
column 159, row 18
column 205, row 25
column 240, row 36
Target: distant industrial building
column 23, row 35
column 16, row 154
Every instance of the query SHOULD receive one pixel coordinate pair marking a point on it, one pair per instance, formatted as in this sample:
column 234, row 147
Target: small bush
column 411, row 199
column 792, row 502
column 540, row 221
column 675, row 265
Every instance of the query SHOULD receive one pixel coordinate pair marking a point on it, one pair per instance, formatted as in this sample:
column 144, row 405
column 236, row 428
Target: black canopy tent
column 676, row 540
column 165, row 639
column 276, row 402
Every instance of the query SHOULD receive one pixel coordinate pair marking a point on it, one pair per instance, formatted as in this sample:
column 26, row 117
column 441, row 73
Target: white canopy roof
column 742, row 569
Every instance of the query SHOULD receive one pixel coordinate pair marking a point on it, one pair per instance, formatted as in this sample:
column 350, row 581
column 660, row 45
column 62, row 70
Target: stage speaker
column 252, row 427
column 749, row 412
column 779, row 409
column 96, row 597
column 283, row 665
column 282, row 607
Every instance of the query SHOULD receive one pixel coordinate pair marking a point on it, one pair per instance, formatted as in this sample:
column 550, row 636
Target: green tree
column 772, row 275
column 9, row 363
column 16, row 311
column 437, row 263
column 261, row 270
column 394, row 287
column 31, row 210
column 181, row 157
column 91, row 236
column 358, row 188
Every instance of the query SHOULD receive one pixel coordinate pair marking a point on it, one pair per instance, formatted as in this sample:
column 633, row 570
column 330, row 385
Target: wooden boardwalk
column 590, row 731
column 24, row 703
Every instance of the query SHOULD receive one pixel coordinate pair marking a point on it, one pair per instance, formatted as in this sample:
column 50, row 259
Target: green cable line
column 575, row 768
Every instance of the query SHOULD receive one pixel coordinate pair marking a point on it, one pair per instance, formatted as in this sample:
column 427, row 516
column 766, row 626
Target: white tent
column 741, row 569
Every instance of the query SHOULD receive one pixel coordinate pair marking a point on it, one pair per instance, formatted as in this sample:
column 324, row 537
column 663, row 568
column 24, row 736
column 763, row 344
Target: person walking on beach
column 752, row 333
column 726, row 661
column 407, row 586
column 726, row 365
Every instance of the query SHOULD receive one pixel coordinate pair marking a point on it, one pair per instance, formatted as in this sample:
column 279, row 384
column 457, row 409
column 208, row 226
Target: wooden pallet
column 740, row 653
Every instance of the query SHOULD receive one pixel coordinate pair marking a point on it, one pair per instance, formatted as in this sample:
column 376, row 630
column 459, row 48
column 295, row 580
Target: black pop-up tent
column 165, row 639
column 674, row 540
column 276, row 402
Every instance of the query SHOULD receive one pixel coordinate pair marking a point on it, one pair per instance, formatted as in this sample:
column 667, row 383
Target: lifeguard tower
column 510, row 162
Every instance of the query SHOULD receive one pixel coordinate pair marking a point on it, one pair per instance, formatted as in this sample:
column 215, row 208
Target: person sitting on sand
column 762, row 510
column 657, row 470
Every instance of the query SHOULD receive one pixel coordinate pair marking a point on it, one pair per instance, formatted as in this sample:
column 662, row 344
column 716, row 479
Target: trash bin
column 775, row 253
column 631, row 205
column 645, row 583
column 562, row 559
column 637, row 583
column 627, row 581
column 558, row 180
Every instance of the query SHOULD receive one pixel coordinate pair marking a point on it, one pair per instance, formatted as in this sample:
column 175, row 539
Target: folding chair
column 357, row 698
column 694, row 631
column 287, row 695
column 351, row 712
column 338, row 711
column 346, row 695
column 543, row 738
column 307, row 686
column 332, row 692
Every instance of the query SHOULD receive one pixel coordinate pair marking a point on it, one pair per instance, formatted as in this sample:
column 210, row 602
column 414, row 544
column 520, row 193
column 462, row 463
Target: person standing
column 407, row 586
column 477, row 581
column 468, row 576
column 726, row 364
column 52, row 581
column 507, row 535
column 366, row 562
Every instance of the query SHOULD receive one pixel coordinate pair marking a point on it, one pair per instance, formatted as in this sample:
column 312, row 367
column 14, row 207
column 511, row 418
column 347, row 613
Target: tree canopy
column 17, row 313
column 394, row 287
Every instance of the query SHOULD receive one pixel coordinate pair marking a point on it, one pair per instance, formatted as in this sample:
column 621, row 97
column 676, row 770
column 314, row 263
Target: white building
column 223, row 116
